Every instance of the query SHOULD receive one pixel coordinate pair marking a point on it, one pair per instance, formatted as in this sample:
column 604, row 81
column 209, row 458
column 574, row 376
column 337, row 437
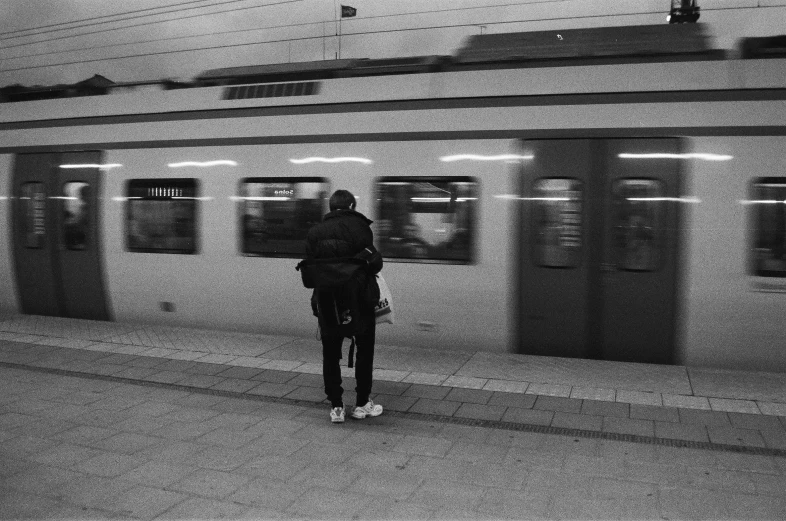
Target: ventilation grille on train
column 272, row 90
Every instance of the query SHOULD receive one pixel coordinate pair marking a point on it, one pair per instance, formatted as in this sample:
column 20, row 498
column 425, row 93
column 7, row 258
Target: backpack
column 342, row 298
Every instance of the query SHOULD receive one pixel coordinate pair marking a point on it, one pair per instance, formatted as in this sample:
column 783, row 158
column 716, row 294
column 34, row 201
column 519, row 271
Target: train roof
column 229, row 74
column 552, row 48
column 634, row 40
column 538, row 48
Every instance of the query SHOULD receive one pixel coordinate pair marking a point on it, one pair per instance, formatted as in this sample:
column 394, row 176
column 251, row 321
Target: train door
column 57, row 249
column 35, row 265
column 599, row 249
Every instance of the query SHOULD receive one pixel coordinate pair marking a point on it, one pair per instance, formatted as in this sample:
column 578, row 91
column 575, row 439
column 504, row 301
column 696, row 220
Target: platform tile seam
column 557, row 390
column 494, row 424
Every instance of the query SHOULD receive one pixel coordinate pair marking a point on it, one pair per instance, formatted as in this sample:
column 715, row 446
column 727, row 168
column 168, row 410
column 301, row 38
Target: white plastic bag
column 383, row 311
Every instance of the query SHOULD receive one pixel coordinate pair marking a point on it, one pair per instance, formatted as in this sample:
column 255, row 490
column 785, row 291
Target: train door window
column 427, row 219
column 75, row 199
column 557, row 222
column 638, row 217
column 276, row 214
column 34, row 204
column 769, row 226
column 161, row 216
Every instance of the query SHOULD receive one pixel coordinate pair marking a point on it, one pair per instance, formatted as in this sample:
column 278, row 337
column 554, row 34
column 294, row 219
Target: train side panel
column 731, row 315
column 446, row 305
column 8, row 298
column 557, row 119
column 734, row 317
column 451, row 305
column 691, row 76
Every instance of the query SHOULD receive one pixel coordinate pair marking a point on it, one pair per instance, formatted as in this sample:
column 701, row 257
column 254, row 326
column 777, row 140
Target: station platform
column 680, row 406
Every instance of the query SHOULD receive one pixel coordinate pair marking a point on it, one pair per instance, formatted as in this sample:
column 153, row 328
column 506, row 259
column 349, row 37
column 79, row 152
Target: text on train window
column 557, row 222
column 426, row 218
column 76, row 216
column 161, row 215
column 276, row 213
column 768, row 203
column 34, row 221
column 638, row 217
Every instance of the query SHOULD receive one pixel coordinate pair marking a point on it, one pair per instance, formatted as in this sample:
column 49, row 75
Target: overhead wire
column 285, row 40
column 154, row 22
column 302, row 24
column 171, row 38
column 363, row 33
column 29, row 29
column 433, row 11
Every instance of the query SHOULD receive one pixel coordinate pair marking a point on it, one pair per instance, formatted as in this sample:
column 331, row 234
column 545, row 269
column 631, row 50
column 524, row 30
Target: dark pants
column 364, row 365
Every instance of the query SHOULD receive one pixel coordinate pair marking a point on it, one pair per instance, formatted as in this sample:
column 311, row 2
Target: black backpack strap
column 329, row 273
column 373, row 259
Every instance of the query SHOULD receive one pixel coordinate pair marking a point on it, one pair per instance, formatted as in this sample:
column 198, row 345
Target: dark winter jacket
column 345, row 233
column 342, row 233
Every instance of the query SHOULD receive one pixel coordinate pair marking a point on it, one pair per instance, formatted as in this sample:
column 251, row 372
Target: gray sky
column 250, row 32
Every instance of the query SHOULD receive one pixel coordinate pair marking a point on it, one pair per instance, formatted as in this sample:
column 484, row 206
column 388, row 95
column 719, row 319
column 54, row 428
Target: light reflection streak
column 513, row 197
column 441, row 199
column 430, row 199
column 689, row 155
column 122, row 199
column 307, row 160
column 478, row 157
column 762, row 201
column 690, row 199
column 204, row 164
column 258, row 198
column 106, row 166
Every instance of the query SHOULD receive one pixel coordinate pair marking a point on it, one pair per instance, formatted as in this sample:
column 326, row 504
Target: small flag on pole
column 348, row 12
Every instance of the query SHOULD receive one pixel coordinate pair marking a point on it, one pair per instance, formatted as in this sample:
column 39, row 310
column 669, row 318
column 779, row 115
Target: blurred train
column 615, row 193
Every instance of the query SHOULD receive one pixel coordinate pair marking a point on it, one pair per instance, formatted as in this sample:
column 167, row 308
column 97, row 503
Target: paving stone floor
column 109, row 420
column 88, row 448
column 697, row 426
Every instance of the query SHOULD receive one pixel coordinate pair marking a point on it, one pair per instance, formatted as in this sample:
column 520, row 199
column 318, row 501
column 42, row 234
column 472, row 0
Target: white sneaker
column 337, row 415
column 370, row 409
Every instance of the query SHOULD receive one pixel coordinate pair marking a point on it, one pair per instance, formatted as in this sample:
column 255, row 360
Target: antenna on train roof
column 683, row 11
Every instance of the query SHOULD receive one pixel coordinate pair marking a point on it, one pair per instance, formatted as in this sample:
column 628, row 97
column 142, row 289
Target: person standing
column 345, row 232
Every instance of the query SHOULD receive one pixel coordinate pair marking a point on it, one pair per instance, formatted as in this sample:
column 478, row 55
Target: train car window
column 769, row 226
column 34, row 204
column 557, row 221
column 75, row 200
column 638, row 217
column 161, row 216
column 427, row 219
column 276, row 214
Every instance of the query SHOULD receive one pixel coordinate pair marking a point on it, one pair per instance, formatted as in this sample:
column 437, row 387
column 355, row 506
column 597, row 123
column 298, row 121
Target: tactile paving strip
column 491, row 424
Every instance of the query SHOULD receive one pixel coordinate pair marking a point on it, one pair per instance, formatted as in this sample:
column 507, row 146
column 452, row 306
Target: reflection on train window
column 769, row 218
column 427, row 218
column 277, row 213
column 34, row 201
column 76, row 197
column 638, row 214
column 161, row 215
column 557, row 222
